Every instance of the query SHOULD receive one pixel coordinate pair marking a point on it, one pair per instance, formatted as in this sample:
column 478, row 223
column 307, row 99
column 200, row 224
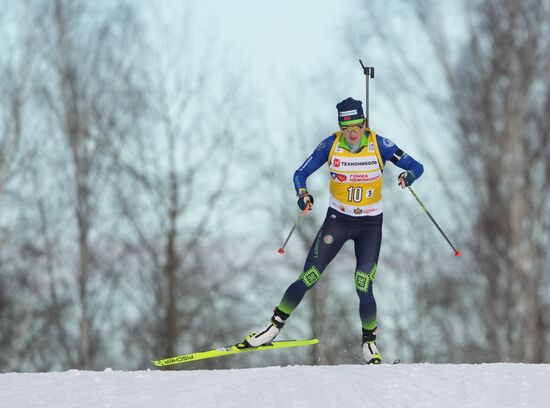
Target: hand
column 304, row 198
column 406, row 178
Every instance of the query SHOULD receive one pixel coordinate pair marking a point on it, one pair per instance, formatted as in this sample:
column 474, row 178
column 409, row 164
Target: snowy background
column 400, row 386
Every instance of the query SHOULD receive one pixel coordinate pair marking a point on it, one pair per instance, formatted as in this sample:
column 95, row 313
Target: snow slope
column 404, row 385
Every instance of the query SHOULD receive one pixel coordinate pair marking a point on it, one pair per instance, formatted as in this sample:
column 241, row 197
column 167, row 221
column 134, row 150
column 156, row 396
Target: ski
column 234, row 349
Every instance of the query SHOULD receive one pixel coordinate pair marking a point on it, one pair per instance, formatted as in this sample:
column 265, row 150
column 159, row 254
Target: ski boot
column 269, row 332
column 370, row 351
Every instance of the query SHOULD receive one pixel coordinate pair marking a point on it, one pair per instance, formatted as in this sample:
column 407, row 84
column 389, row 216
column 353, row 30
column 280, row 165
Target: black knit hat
column 350, row 112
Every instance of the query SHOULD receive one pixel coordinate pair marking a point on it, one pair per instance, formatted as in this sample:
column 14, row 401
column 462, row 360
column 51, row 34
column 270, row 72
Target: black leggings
column 366, row 232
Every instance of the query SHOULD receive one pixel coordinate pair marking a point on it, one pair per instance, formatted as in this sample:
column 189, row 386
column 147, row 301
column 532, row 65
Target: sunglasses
column 356, row 128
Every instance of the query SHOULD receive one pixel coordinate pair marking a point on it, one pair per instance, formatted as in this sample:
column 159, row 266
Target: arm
column 312, row 163
column 390, row 151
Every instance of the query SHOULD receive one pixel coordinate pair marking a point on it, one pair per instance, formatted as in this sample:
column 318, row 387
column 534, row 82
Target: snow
column 405, row 385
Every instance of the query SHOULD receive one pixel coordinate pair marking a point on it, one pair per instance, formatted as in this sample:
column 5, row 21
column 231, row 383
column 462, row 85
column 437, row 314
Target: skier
column 356, row 156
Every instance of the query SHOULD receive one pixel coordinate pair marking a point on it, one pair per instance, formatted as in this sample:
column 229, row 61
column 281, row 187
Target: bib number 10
column 355, row 194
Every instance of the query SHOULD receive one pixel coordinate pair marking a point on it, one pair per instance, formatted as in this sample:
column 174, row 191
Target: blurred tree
column 94, row 104
column 177, row 198
column 14, row 90
column 81, row 92
column 117, row 227
column 493, row 104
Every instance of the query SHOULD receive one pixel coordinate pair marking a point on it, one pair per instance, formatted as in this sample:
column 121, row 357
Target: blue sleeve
column 388, row 149
column 313, row 162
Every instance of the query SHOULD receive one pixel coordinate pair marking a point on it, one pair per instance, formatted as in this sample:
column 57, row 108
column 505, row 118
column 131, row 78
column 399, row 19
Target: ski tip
column 281, row 251
column 458, row 253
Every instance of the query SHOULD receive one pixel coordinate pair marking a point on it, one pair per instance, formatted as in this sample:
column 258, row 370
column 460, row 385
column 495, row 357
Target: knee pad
column 363, row 280
column 310, row 276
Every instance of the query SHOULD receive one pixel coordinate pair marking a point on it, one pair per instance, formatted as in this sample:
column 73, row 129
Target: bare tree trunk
column 13, row 135
column 76, row 137
column 83, row 279
column 171, row 270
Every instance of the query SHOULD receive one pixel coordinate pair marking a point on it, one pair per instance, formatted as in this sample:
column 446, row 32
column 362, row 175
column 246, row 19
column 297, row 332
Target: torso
column 356, row 178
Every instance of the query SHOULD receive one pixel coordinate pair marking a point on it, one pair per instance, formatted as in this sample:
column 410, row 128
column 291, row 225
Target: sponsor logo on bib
column 337, row 176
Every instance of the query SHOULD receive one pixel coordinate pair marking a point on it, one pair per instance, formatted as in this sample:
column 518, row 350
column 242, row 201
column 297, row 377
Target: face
column 353, row 134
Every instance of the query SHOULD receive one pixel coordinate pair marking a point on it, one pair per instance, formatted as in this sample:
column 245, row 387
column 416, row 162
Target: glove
column 304, row 198
column 407, row 176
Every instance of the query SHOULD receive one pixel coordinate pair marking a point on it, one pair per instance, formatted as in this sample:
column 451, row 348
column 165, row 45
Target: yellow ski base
column 228, row 350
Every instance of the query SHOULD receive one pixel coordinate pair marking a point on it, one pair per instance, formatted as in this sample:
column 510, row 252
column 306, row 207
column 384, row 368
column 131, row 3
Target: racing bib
column 356, row 178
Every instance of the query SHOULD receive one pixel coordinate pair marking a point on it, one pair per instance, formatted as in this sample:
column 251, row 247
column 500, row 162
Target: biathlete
column 356, row 156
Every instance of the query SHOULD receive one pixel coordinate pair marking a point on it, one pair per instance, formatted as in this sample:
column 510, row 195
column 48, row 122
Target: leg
column 367, row 250
column 328, row 242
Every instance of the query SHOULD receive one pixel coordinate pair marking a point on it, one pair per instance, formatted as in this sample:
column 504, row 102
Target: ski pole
column 302, row 214
column 457, row 252
column 369, row 73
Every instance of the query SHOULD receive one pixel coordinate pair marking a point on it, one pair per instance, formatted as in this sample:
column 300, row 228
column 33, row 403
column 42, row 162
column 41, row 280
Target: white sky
column 278, row 41
column 284, row 39
column 286, row 32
